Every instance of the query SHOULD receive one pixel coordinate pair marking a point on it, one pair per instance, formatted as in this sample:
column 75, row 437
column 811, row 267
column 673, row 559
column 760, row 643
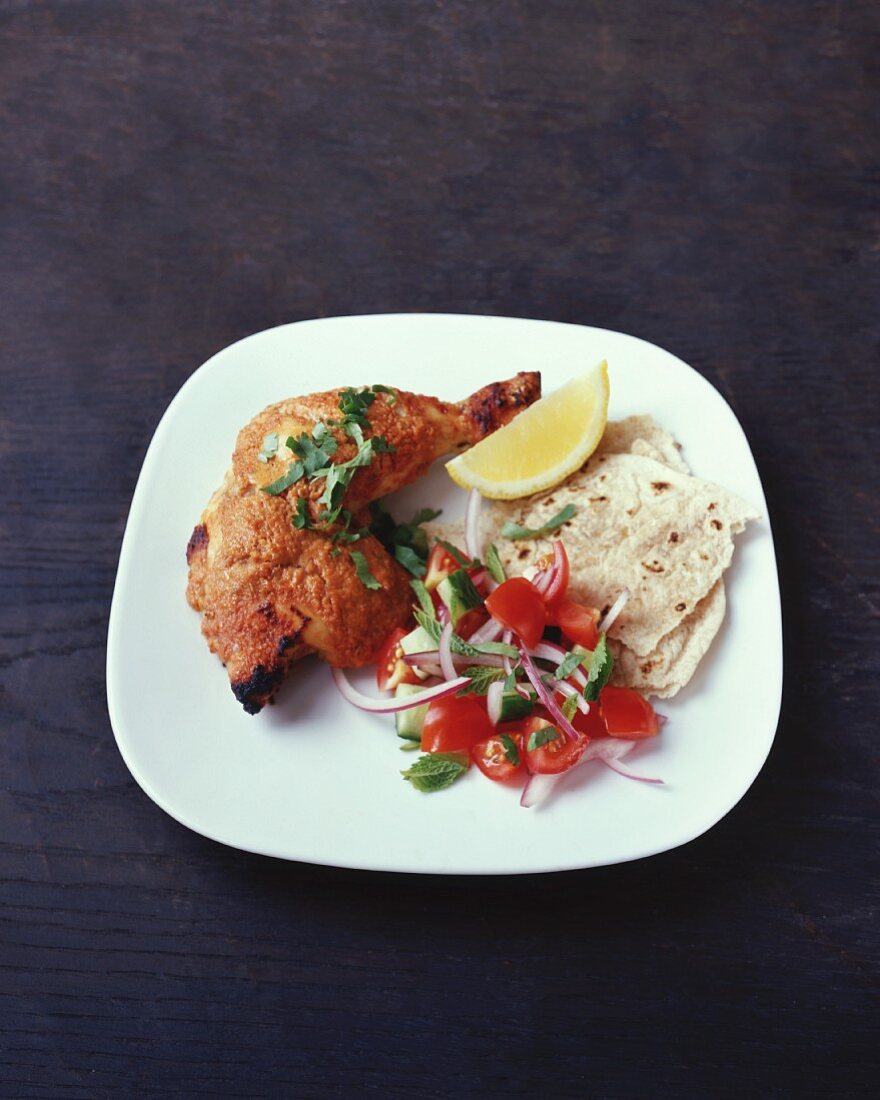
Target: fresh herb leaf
column 354, row 431
column 568, row 664
column 541, row 737
column 436, row 771
column 601, row 664
column 325, row 438
column 499, row 649
column 392, row 396
column 293, row 474
column 427, row 604
column 270, row 447
column 363, row 570
column 431, row 627
column 510, row 750
column 569, row 706
column 493, row 564
column 410, row 560
column 481, row 677
column 381, row 445
column 512, row 530
column 313, row 458
column 351, row 536
column 353, row 405
column 301, row 517
column 510, row 682
column 424, row 515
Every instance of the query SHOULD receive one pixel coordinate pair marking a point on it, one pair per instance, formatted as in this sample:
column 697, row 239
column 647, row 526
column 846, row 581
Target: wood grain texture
column 176, row 176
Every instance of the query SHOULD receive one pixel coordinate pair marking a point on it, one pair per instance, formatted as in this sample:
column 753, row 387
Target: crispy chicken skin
column 270, row 593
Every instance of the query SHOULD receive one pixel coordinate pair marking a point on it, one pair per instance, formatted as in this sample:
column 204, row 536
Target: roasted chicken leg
column 272, row 578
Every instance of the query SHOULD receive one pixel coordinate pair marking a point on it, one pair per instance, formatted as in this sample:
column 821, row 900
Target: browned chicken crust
column 270, row 593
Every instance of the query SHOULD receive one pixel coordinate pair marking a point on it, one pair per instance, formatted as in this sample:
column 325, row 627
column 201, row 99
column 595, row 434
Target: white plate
column 313, row 779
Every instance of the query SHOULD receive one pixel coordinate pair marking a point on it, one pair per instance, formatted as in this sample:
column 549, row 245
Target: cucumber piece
column 514, row 706
column 417, row 641
column 409, row 722
column 458, row 593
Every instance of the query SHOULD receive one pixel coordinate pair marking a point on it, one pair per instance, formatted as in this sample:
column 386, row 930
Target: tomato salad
column 507, row 674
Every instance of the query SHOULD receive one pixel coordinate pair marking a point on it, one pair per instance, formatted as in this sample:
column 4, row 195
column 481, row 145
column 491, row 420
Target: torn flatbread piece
column 639, row 524
column 642, row 435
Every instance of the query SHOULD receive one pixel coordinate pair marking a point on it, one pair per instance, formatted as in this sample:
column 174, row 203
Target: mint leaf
column 512, row 530
column 541, row 737
column 493, row 564
column 510, row 682
column 568, row 664
column 569, row 706
column 481, row 677
column 363, row 570
column 601, row 664
column 410, row 560
column 293, row 474
column 510, row 750
column 427, row 604
column 436, row 771
column 430, row 625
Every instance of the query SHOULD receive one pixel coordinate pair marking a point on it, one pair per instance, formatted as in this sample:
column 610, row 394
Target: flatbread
column 670, row 666
column 642, row 435
column 639, row 524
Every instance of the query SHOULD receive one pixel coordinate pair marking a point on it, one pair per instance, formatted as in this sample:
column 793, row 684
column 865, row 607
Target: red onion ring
column 446, row 662
column 391, row 706
column 547, row 698
column 569, row 689
column 432, row 657
column 550, row 651
column 537, row 789
column 493, row 701
column 614, row 610
column 507, row 638
column 490, row 631
column 554, row 588
column 472, row 525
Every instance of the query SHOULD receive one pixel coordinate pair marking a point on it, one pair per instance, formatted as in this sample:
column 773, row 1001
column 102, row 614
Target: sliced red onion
column 610, row 753
column 490, row 631
column 554, row 588
column 569, row 689
column 614, row 610
column 443, row 613
column 432, row 657
column 543, row 579
column 391, row 706
column 507, row 638
column 546, row 697
column 549, row 651
column 446, row 662
column 472, row 525
column 493, row 701
column 538, row 788
column 480, row 578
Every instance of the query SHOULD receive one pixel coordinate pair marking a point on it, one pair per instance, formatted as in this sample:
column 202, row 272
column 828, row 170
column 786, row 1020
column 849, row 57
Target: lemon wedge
column 543, row 445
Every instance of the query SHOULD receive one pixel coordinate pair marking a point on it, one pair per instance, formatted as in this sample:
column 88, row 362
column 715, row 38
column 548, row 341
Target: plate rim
column 125, row 551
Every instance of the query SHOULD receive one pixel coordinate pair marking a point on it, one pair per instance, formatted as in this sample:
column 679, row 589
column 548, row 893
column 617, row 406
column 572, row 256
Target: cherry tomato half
column 440, row 564
column 556, row 755
column 392, row 669
column 492, row 758
column 520, row 607
column 578, row 623
column 455, row 724
column 626, row 714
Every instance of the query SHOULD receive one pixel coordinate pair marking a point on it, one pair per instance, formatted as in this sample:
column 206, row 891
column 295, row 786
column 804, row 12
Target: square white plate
column 313, row 779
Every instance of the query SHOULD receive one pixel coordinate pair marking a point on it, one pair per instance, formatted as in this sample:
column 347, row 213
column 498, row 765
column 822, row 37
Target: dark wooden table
column 176, row 176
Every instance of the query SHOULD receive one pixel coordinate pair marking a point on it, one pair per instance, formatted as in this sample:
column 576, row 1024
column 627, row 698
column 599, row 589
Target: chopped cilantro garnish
column 293, row 474
column 512, row 530
column 301, row 517
column 427, row 604
column 568, row 664
column 313, row 457
column 410, row 560
column 392, row 396
column 362, row 568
